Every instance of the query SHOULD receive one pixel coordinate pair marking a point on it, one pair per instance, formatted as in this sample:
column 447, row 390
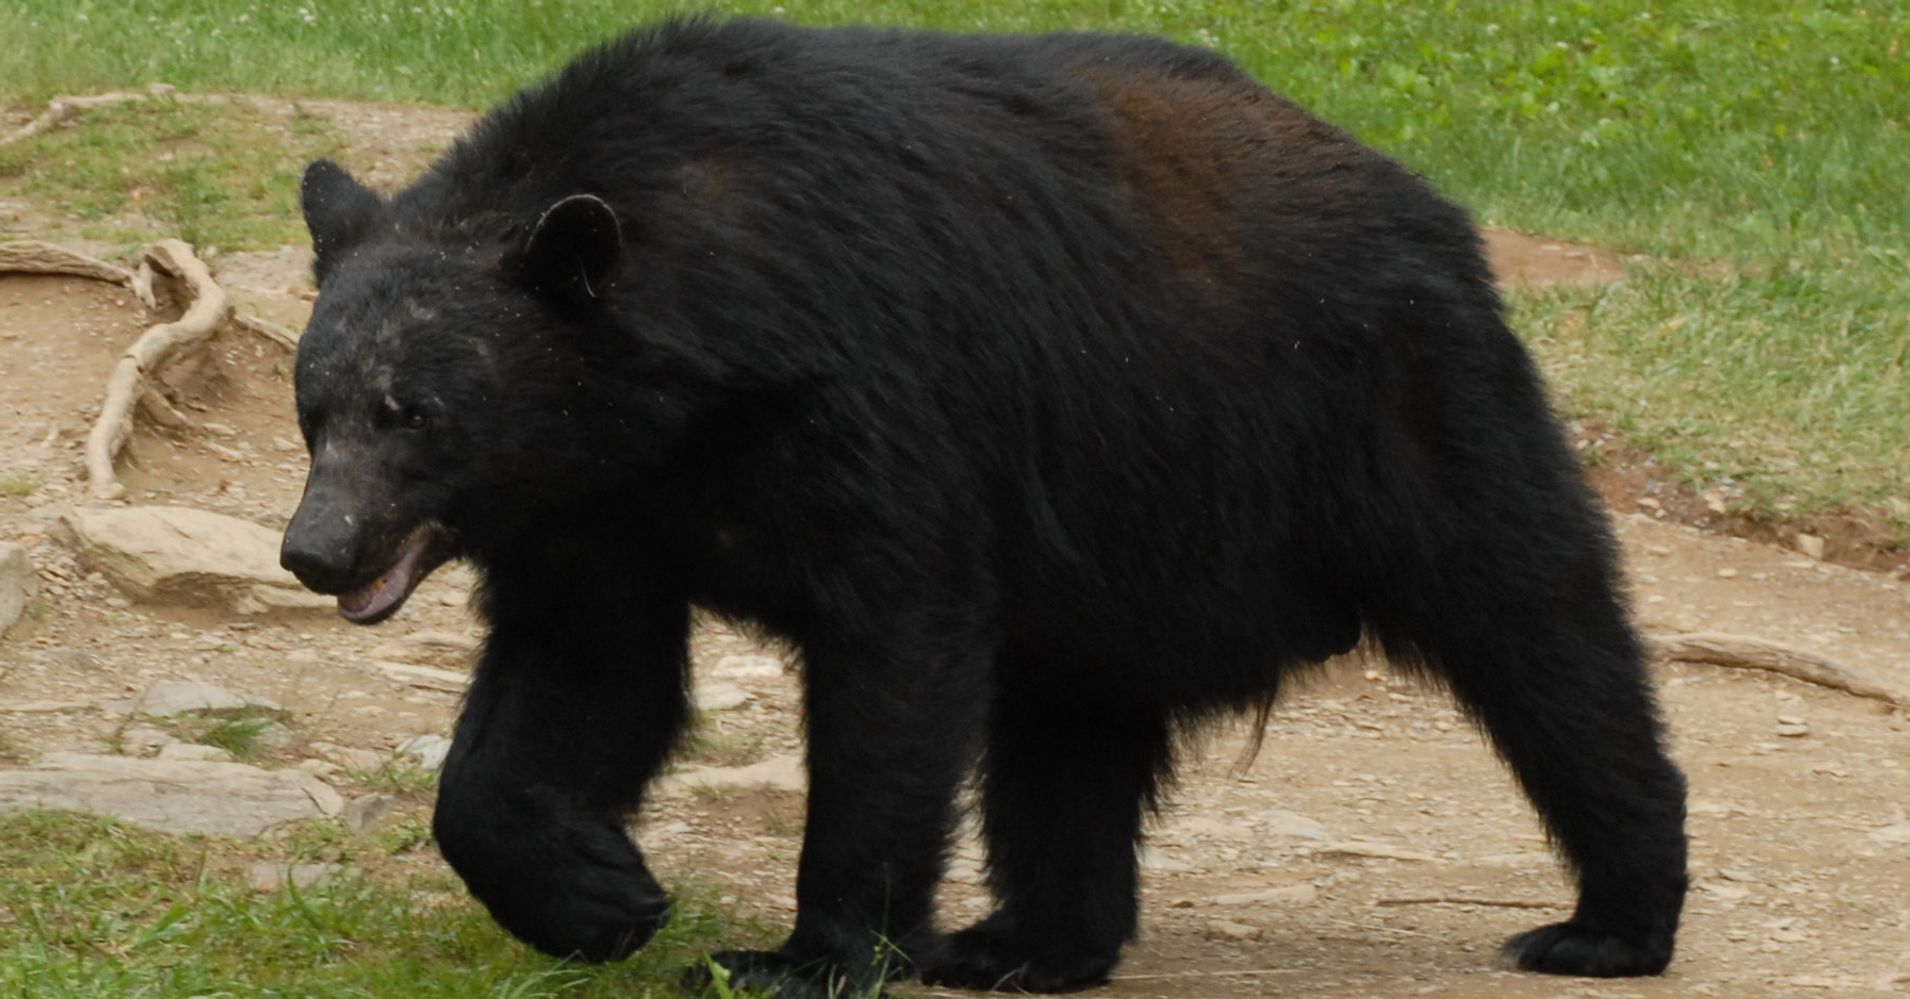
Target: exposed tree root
column 153, row 350
column 32, row 257
column 130, row 384
column 1719, row 649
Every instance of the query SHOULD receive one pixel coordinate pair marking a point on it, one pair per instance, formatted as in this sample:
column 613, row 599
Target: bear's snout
column 320, row 545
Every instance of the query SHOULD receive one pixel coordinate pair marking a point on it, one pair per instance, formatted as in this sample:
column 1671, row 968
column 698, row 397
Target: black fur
column 1047, row 394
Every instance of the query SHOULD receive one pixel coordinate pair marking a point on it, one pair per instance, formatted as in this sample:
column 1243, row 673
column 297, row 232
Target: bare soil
column 1376, row 847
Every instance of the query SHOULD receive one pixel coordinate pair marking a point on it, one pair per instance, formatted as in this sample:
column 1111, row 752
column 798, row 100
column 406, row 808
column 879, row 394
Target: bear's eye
column 413, row 417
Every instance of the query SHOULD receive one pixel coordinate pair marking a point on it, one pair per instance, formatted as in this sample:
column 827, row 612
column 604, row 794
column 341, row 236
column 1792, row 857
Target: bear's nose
column 319, row 545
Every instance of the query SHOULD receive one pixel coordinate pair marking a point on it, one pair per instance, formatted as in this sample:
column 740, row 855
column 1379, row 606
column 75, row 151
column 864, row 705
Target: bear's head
column 440, row 386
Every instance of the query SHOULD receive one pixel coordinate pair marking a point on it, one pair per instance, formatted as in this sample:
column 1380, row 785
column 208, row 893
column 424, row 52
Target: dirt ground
column 1375, row 848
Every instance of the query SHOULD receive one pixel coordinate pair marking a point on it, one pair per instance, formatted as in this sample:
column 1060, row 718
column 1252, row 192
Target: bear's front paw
column 1576, row 949
column 605, row 914
column 569, row 885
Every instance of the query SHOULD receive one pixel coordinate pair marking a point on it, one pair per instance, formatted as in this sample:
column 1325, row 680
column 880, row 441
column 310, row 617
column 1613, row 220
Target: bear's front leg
column 569, row 715
column 892, row 727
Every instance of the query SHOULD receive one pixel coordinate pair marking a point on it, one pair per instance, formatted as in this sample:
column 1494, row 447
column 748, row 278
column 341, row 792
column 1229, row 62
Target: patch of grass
column 243, row 732
column 18, row 486
column 221, row 175
column 90, row 908
column 396, row 777
column 1787, row 391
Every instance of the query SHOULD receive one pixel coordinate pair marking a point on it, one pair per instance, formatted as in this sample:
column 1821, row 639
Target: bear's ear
column 339, row 211
column 570, row 253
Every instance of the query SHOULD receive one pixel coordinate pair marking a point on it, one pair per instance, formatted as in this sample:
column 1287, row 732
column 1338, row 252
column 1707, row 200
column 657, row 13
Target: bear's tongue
column 390, row 588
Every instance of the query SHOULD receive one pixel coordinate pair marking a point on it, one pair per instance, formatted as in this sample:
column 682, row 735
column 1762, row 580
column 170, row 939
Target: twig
column 1719, row 649
column 1500, row 903
column 153, row 349
column 34, row 257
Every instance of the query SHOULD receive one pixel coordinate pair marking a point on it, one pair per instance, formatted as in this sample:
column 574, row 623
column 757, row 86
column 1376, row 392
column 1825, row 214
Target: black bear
column 1047, row 394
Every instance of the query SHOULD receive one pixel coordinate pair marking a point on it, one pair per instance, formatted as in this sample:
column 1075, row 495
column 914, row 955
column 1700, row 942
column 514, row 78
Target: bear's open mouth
column 424, row 549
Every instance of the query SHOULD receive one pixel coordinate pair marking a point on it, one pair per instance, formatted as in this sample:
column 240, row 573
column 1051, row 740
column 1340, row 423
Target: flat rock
column 427, row 751
column 170, row 796
column 17, row 583
column 369, row 812
column 194, row 751
column 721, row 696
column 781, row 773
column 169, row 698
column 349, row 757
column 178, row 555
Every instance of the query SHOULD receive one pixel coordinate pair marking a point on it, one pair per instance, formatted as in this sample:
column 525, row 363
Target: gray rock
column 781, row 773
column 427, row 751
column 178, row 555
column 721, row 696
column 266, row 876
column 194, row 751
column 143, row 740
column 169, row 698
column 170, row 796
column 17, row 583
column 370, row 812
column 349, row 757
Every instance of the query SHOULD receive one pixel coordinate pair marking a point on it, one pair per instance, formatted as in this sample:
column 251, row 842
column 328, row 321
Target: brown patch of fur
column 1193, row 148
column 709, row 183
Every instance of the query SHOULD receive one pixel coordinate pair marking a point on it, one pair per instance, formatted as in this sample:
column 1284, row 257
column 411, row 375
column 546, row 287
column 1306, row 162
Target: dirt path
column 1318, row 872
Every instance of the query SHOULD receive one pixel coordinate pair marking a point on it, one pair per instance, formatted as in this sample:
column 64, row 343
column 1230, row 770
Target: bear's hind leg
column 1065, row 783
column 1552, row 670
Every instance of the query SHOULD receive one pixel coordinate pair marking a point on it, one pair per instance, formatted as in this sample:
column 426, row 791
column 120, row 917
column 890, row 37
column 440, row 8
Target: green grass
column 91, row 909
column 18, row 486
column 1785, row 390
column 222, row 175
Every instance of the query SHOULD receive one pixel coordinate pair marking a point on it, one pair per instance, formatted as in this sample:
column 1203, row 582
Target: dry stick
column 1501, row 903
column 1720, row 649
column 33, row 257
column 147, row 354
